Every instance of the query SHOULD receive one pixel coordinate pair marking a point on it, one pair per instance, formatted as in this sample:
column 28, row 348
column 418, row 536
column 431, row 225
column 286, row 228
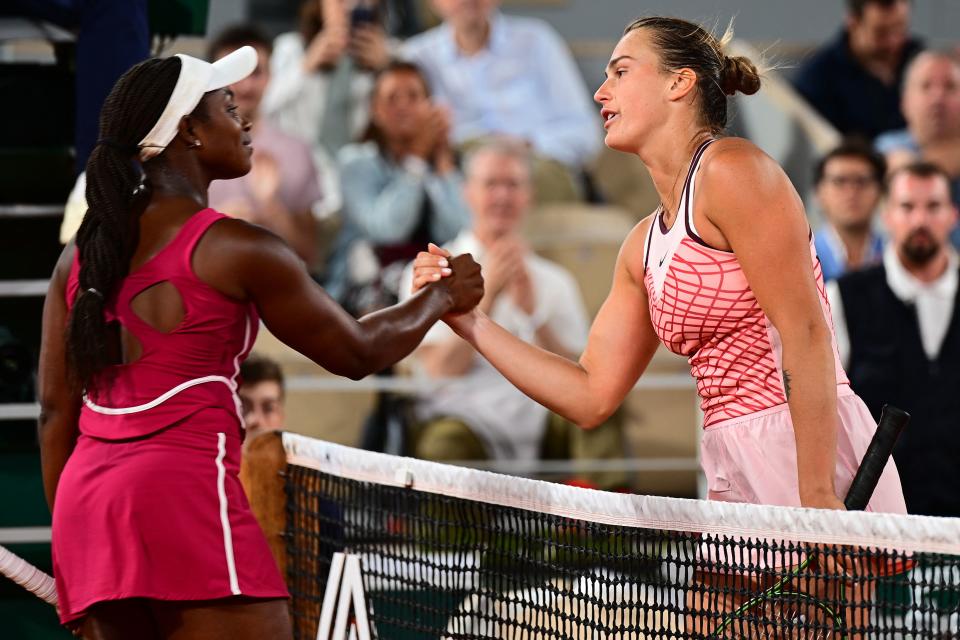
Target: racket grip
column 892, row 423
column 28, row 576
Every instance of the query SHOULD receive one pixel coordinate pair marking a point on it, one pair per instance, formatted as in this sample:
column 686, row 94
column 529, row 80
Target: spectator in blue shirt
column 854, row 81
column 401, row 187
column 511, row 76
column 849, row 181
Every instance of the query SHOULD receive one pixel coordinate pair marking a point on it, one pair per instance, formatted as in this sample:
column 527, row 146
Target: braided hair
column 109, row 234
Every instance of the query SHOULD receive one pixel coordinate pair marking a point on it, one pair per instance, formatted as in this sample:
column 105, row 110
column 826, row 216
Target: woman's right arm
column 250, row 263
column 619, row 348
column 57, row 427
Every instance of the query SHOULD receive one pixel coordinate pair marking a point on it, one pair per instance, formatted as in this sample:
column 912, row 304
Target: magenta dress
column 702, row 307
column 149, row 504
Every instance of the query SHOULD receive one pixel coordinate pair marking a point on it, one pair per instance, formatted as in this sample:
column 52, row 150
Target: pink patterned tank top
column 192, row 368
column 702, row 307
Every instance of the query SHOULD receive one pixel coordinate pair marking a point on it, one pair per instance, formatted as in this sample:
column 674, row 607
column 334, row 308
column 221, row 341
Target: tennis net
column 378, row 546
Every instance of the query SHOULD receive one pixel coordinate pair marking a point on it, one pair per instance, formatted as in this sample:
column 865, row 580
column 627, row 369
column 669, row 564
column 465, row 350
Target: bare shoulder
column 735, row 173
column 738, row 157
column 234, row 255
column 232, row 238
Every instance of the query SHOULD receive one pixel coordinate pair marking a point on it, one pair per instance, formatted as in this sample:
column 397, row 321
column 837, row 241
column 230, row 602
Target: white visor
column 197, row 77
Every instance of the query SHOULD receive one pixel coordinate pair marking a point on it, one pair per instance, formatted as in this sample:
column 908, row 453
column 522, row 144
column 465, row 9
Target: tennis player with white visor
column 147, row 319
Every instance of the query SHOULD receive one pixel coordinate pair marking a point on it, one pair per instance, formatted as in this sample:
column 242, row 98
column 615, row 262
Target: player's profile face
column 225, row 136
column 632, row 95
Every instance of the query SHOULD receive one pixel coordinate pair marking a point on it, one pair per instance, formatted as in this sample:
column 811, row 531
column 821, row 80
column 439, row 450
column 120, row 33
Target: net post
column 264, row 462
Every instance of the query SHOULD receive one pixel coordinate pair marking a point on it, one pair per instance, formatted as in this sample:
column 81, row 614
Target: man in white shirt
column 479, row 414
column 898, row 333
column 511, row 76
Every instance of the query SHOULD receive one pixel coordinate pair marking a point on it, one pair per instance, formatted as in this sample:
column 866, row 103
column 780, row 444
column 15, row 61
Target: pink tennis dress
column 150, row 504
column 702, row 307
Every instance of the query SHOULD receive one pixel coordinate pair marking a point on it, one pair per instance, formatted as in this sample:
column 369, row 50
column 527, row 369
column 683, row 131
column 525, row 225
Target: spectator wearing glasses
column 898, row 334
column 849, row 185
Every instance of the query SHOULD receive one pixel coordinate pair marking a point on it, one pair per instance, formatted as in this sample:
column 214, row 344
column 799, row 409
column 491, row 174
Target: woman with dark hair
column 322, row 74
column 145, row 324
column 724, row 272
column 401, row 186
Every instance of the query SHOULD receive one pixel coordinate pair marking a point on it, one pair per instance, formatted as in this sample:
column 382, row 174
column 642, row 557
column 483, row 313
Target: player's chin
column 242, row 164
column 618, row 143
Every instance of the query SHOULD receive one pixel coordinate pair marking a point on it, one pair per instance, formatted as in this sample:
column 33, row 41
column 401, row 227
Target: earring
column 196, row 144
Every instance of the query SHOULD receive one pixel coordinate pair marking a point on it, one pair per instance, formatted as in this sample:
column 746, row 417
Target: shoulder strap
column 194, row 230
column 649, row 240
column 688, row 191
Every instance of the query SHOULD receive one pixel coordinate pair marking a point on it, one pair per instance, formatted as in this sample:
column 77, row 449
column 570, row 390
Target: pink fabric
column 754, row 459
column 150, row 504
column 142, row 519
column 215, row 336
column 702, row 307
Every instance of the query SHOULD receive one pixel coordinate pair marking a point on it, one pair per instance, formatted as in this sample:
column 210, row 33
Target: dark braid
column 109, row 234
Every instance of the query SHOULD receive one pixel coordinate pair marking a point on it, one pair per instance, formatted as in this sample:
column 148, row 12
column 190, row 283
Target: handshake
column 459, row 276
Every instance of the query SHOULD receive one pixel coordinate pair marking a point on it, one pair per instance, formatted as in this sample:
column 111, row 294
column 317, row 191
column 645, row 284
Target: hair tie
column 95, row 292
column 128, row 149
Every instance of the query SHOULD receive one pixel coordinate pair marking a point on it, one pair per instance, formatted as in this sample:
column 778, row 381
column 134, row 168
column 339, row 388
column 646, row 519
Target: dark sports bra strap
column 688, row 186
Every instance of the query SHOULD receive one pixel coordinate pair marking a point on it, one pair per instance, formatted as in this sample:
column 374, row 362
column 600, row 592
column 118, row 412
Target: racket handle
column 28, row 576
column 892, row 422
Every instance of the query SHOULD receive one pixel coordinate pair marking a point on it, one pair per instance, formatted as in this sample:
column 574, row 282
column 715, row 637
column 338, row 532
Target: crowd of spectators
column 369, row 146
column 893, row 278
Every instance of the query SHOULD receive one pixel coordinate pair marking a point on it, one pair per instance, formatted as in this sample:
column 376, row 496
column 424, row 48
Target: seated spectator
column 261, row 395
column 931, row 104
column 282, row 189
column 898, row 332
column 849, row 182
column 482, row 415
column 401, row 187
column 854, row 81
column 511, row 76
column 323, row 73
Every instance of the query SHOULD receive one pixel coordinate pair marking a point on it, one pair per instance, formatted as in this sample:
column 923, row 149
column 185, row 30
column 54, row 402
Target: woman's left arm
column 57, row 427
column 749, row 201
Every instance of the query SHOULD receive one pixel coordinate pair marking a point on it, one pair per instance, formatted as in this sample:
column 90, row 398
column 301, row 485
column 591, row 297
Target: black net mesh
column 441, row 567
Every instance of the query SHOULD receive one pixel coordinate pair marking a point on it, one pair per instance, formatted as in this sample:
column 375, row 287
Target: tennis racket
column 27, row 576
column 782, row 612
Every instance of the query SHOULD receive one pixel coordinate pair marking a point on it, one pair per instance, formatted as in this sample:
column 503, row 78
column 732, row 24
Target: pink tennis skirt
column 162, row 517
column 754, row 458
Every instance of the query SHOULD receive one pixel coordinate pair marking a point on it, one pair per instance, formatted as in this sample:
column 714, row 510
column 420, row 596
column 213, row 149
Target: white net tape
column 747, row 521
